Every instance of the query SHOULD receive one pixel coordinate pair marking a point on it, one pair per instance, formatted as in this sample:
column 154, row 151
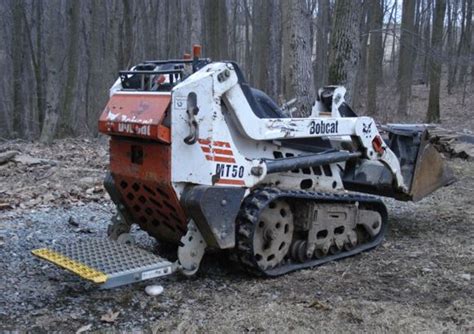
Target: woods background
column 59, row 57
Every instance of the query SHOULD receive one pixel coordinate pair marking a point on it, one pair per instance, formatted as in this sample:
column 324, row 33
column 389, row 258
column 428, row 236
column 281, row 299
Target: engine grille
column 144, row 183
column 154, row 207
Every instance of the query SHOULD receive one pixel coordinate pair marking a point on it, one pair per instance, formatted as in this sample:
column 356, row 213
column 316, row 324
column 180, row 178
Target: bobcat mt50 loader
column 201, row 161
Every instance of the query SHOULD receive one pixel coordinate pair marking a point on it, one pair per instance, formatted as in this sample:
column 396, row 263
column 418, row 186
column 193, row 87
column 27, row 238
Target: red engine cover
column 140, row 162
column 136, row 115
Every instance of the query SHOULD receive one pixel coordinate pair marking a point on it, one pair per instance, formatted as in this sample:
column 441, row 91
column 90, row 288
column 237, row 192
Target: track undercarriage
column 282, row 231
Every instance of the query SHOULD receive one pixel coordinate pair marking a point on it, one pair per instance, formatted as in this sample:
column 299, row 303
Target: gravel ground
column 418, row 280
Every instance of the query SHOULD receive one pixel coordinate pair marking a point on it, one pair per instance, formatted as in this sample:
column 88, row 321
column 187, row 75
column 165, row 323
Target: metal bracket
column 192, row 110
column 118, row 226
column 192, row 250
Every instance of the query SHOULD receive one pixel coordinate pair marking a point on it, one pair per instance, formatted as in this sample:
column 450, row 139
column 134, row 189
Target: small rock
column 414, row 255
column 467, row 277
column 154, row 290
column 30, row 161
column 72, row 221
column 110, row 316
column 83, row 230
column 426, row 270
column 84, row 329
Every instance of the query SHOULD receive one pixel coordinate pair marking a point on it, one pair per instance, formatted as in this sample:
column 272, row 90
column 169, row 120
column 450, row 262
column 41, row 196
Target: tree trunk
column 394, row 35
column 451, row 44
column 360, row 81
column 6, row 87
column 406, row 54
column 344, row 52
column 216, row 29
column 297, row 69
column 320, row 67
column 465, row 54
column 375, row 57
column 433, row 114
column 416, row 41
column 196, row 22
column 426, row 39
column 247, row 46
column 55, row 53
column 18, row 60
column 67, row 121
column 260, row 42
column 275, row 53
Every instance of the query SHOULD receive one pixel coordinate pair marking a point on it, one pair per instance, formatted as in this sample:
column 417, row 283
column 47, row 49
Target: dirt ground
column 419, row 279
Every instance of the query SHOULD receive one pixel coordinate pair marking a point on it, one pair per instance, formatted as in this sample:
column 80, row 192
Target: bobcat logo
column 367, row 127
column 111, row 116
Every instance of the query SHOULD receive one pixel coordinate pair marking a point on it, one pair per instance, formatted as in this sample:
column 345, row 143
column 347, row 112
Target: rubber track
column 259, row 199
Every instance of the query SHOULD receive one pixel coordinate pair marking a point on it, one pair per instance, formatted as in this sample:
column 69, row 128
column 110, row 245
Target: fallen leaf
column 84, row 329
column 5, row 206
column 110, row 316
column 319, row 305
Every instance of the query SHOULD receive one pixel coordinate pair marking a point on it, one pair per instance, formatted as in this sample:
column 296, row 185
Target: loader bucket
column 430, row 172
column 422, row 166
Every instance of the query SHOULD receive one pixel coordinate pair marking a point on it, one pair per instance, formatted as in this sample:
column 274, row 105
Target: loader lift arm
column 228, row 83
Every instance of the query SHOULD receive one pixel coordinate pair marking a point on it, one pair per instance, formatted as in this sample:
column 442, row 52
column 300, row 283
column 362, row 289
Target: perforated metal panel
column 154, row 208
column 107, row 262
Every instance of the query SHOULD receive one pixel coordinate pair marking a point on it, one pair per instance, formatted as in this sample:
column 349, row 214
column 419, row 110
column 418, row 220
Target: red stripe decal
column 206, row 149
column 216, row 143
column 222, row 144
column 221, row 151
column 230, row 181
column 220, row 159
column 204, row 141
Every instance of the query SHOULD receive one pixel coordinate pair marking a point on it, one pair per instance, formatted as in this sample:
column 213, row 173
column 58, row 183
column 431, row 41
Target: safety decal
column 219, row 151
column 227, row 171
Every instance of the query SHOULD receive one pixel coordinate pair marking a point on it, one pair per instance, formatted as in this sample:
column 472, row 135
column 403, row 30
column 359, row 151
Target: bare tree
column 68, row 52
column 194, row 8
column 465, row 43
column 55, row 52
column 344, row 52
column 360, row 82
column 323, row 25
column 375, row 57
column 405, row 64
column 67, row 117
column 451, row 43
column 426, row 39
column 266, row 46
column 274, row 56
column 216, row 29
column 260, row 42
column 297, row 71
column 18, row 60
column 433, row 114
column 5, row 64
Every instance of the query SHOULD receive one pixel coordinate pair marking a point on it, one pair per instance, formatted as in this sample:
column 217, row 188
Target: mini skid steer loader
column 202, row 161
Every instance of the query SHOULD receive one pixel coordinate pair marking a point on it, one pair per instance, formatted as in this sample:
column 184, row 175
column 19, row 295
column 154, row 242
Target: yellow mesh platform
column 77, row 268
column 107, row 262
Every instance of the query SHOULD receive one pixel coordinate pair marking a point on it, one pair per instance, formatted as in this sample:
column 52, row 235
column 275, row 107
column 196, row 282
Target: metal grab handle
column 192, row 110
column 193, row 127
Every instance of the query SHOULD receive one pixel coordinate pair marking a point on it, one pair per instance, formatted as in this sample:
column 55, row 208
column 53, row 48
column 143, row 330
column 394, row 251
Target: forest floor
column 419, row 279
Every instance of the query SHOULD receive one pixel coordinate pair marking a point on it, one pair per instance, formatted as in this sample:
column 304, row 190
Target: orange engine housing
column 140, row 163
